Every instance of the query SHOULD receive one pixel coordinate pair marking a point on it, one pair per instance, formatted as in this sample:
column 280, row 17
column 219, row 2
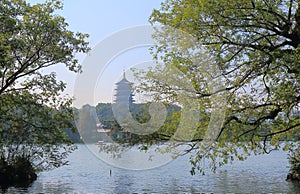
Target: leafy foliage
column 294, row 160
column 87, row 124
column 140, row 113
column 255, row 46
column 34, row 131
column 33, row 112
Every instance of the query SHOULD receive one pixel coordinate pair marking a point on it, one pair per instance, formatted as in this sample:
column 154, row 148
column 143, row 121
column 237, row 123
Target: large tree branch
column 281, row 131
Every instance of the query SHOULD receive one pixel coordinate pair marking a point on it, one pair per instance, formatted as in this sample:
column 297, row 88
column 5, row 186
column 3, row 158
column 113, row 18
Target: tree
column 33, row 111
column 255, row 46
column 87, row 124
column 294, row 160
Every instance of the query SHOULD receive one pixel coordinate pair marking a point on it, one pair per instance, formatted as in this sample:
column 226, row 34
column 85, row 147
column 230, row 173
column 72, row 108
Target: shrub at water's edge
column 294, row 160
column 21, row 173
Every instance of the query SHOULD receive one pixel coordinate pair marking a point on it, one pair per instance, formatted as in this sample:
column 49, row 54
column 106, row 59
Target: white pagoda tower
column 123, row 91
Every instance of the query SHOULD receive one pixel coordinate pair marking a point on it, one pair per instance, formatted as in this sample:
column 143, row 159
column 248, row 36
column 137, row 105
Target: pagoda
column 124, row 91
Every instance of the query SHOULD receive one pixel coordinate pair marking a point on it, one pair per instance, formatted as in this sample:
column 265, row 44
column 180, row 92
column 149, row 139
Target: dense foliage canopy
column 33, row 111
column 255, row 46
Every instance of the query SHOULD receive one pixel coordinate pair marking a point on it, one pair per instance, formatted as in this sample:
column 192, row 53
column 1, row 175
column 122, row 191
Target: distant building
column 123, row 94
column 124, row 91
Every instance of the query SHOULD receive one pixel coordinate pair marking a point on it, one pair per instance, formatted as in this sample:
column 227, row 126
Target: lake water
column 88, row 174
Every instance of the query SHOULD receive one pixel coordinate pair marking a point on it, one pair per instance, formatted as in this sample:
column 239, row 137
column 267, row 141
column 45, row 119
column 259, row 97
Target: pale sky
column 101, row 19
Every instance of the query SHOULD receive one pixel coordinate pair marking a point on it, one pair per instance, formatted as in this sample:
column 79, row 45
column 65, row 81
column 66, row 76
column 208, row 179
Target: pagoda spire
column 123, row 91
column 124, row 74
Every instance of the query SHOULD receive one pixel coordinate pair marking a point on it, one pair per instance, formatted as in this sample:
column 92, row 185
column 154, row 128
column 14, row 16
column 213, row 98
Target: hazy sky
column 101, row 19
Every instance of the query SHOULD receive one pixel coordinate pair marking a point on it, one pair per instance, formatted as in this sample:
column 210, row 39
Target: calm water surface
column 87, row 174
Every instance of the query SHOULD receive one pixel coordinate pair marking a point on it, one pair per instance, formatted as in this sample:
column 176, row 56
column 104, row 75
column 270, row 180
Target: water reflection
column 123, row 184
column 51, row 187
